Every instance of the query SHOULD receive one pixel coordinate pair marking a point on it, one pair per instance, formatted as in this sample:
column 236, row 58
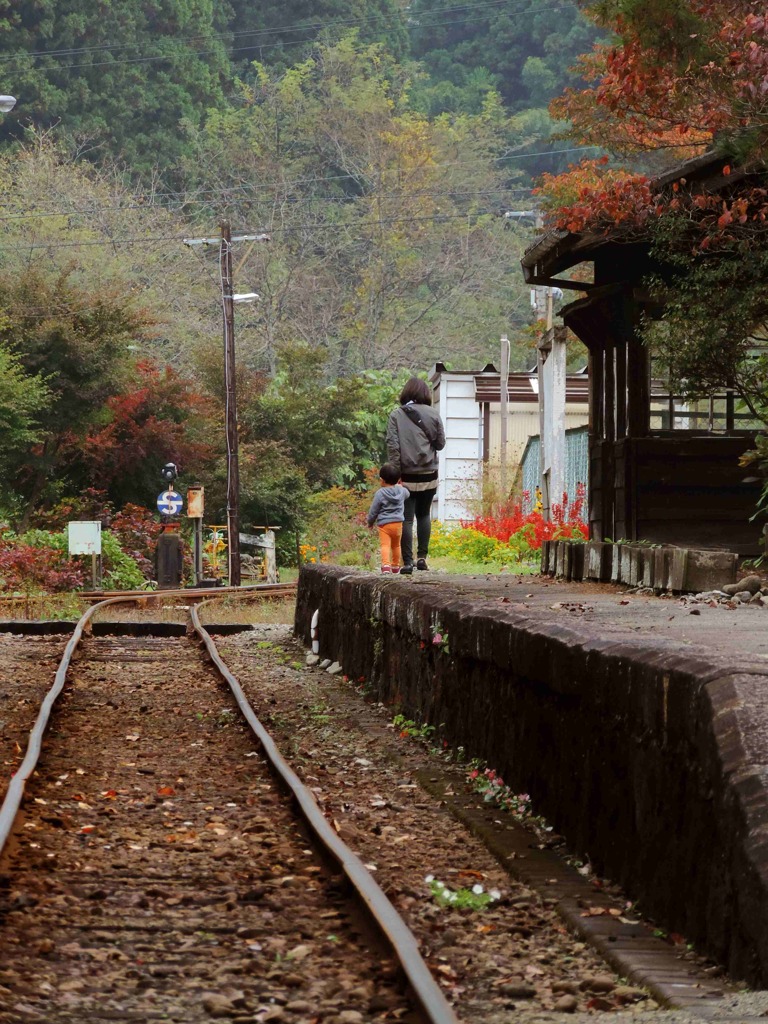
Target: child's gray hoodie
column 387, row 505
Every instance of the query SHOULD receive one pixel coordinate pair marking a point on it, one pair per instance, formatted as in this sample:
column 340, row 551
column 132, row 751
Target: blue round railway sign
column 169, row 503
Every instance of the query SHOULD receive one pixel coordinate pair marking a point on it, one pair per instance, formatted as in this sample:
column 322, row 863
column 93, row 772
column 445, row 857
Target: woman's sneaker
column 406, row 570
column 422, row 564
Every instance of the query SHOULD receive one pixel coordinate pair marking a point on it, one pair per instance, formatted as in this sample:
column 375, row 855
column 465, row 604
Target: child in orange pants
column 387, row 512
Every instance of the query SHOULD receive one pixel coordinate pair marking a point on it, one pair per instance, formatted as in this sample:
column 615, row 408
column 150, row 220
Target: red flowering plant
column 520, row 529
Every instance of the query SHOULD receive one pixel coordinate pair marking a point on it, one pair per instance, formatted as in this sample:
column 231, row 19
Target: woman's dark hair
column 416, row 390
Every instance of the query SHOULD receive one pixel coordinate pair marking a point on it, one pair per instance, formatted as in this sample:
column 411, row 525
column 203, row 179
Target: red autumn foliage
column 565, row 524
column 137, row 530
column 683, row 77
column 31, row 570
column 150, row 423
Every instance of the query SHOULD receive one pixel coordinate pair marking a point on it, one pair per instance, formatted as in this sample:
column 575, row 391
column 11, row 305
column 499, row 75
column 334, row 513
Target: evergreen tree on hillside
column 119, row 77
column 278, row 34
column 523, row 49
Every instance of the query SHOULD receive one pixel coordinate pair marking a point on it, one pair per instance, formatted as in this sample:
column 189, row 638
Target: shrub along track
column 157, row 872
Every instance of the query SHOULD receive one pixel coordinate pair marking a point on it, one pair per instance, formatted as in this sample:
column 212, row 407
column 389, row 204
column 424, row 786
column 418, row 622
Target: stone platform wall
column 640, row 755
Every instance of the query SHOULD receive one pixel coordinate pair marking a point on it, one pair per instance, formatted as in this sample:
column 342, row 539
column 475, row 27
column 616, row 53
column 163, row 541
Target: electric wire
column 185, row 199
column 437, row 218
column 316, row 26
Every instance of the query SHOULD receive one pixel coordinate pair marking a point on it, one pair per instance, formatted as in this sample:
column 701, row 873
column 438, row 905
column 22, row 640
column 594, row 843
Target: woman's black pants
column 418, row 506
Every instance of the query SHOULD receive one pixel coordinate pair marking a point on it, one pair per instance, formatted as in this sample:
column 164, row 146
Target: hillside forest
column 379, row 146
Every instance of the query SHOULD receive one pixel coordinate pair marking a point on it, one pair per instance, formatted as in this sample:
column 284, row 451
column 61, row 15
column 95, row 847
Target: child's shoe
column 386, row 568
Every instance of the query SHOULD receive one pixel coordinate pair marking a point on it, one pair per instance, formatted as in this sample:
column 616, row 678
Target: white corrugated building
column 469, row 403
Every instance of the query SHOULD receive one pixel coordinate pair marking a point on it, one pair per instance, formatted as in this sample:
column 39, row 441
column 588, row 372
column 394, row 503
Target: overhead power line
column 438, row 218
column 312, row 26
column 253, row 46
column 188, row 199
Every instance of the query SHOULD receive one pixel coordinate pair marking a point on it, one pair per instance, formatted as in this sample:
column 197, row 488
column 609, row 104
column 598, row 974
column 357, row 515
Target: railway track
column 153, row 865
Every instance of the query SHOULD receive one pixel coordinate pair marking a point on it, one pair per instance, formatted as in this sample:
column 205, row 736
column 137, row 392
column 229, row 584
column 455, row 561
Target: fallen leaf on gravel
column 87, row 828
column 166, row 791
column 595, row 912
column 299, row 953
column 447, row 970
column 110, row 794
column 600, row 1004
column 83, row 805
column 133, row 737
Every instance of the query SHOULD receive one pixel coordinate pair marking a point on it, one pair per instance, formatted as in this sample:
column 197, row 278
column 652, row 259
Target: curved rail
column 398, row 937
column 396, row 933
column 15, row 792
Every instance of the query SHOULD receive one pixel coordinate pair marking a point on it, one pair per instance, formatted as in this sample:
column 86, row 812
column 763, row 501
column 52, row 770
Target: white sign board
column 84, row 538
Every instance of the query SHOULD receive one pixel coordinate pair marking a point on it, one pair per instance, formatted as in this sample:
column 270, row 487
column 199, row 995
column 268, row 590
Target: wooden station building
column 661, row 468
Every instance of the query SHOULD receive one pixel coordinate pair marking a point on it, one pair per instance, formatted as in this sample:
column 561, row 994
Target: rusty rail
column 386, row 919
column 397, row 936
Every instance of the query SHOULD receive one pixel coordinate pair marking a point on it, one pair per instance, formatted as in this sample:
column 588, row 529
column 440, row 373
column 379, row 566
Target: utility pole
column 228, row 300
column 230, row 406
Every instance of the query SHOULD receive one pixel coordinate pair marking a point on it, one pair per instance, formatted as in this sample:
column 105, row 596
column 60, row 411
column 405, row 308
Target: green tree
column 119, row 77
column 77, row 341
column 384, row 229
column 23, row 397
column 452, row 43
column 277, row 33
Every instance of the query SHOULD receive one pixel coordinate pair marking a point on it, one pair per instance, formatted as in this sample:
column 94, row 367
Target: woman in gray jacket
column 415, row 435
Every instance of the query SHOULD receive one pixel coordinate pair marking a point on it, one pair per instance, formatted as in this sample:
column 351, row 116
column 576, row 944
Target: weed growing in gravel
column 407, row 727
column 475, row 898
column 494, row 790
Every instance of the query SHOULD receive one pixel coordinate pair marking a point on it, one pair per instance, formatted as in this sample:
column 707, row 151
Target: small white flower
column 440, row 885
column 451, row 896
column 477, row 889
column 494, row 894
column 429, row 878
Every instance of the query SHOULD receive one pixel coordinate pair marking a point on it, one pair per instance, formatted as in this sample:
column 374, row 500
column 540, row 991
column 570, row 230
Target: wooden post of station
column 504, row 395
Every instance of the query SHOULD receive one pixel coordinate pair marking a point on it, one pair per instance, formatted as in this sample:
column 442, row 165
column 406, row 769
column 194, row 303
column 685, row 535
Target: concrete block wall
column 662, row 568
column 642, row 757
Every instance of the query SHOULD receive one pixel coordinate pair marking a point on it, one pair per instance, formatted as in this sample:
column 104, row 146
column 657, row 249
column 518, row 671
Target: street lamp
column 7, row 103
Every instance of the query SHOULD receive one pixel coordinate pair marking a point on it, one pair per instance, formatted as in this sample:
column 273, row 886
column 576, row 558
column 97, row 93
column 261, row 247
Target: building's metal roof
column 524, row 387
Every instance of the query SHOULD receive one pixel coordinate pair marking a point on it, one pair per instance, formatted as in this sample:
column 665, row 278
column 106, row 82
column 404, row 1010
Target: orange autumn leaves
column 683, row 77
